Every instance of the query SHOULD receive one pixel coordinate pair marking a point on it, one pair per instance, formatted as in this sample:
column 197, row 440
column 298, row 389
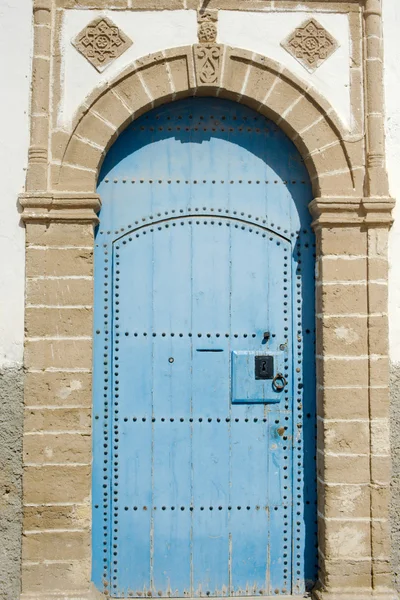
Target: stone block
column 346, row 241
column 341, row 269
column 350, row 403
column 57, row 545
column 349, row 437
column 380, row 535
column 93, row 128
column 381, row 469
column 59, row 262
column 58, row 354
column 341, row 298
column 156, row 80
column 347, row 539
column 132, row 92
column 378, row 331
column 379, row 371
column 58, row 419
column 343, row 469
column 55, row 322
column 80, row 153
column 57, row 517
column 56, row 577
column 342, row 336
column 344, row 501
column 60, row 448
column 344, row 372
column 110, row 108
column 58, row 389
column 63, row 292
column 59, row 234
column 56, row 484
column 179, row 69
column 378, row 297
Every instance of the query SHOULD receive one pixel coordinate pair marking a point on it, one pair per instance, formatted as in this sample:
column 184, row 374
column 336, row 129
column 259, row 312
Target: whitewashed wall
column 15, row 75
column 391, row 20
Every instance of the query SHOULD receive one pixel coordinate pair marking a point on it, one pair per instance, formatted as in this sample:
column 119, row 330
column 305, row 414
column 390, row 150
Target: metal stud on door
column 202, row 381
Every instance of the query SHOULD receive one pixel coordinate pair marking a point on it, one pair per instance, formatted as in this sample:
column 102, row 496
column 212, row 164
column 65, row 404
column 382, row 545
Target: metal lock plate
column 252, row 377
column 264, row 367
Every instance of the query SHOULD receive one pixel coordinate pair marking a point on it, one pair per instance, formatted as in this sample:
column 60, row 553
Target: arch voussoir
column 254, row 80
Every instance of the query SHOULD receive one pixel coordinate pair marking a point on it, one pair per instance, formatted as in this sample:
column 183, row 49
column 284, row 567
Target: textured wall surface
column 395, row 440
column 11, row 420
column 391, row 22
column 15, row 71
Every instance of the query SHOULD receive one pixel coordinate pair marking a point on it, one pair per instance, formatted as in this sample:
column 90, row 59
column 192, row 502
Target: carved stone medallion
column 207, row 28
column 101, row 42
column 310, row 44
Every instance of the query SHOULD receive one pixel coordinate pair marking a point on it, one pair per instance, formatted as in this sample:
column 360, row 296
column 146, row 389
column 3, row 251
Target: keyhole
column 263, row 366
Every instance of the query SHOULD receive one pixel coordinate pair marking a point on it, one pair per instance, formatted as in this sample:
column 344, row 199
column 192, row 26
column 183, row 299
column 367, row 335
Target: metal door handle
column 279, row 382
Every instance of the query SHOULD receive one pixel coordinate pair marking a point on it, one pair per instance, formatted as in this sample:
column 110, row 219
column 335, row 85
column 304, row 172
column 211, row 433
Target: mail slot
column 257, row 377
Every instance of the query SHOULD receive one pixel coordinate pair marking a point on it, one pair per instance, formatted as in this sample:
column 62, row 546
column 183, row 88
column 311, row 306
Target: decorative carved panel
column 207, row 59
column 101, row 42
column 310, row 44
column 207, row 54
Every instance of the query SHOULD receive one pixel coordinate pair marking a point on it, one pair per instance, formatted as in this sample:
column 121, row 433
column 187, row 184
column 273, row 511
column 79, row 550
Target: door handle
column 279, row 382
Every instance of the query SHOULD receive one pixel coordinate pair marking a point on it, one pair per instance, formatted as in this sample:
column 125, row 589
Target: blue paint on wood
column 204, row 245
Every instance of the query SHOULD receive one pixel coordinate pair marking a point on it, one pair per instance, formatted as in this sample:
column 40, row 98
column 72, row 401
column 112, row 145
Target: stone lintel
column 58, row 207
column 348, row 211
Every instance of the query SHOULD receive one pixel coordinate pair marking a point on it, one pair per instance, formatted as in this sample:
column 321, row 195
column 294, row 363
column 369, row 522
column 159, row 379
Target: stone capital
column 61, row 207
column 348, row 211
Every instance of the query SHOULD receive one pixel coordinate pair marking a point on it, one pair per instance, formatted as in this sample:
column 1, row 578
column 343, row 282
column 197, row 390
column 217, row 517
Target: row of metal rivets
column 196, row 181
column 192, row 508
column 201, row 117
column 208, row 335
column 234, row 592
column 106, row 431
column 201, row 419
column 173, row 224
column 199, row 127
column 211, row 209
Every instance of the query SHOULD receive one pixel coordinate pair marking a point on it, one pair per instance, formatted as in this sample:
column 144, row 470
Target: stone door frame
column 352, row 216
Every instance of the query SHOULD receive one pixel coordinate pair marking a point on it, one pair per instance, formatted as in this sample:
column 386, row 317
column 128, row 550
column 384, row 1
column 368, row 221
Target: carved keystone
column 101, row 42
column 310, row 44
column 207, row 54
column 207, row 60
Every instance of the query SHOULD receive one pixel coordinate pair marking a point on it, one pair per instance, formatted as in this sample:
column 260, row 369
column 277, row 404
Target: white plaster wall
column 149, row 31
column 391, row 22
column 15, row 65
column 264, row 32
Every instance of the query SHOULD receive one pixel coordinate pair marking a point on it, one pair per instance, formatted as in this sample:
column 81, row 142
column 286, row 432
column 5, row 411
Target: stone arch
column 334, row 162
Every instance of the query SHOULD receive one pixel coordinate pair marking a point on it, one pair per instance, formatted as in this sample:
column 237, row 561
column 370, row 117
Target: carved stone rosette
column 207, row 54
column 101, row 42
column 310, row 44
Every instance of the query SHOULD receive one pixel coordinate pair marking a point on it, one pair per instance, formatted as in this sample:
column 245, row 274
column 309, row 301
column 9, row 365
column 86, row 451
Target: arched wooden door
column 204, row 403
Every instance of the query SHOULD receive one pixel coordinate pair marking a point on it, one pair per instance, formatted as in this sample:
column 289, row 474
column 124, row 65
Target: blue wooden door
column 204, row 470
